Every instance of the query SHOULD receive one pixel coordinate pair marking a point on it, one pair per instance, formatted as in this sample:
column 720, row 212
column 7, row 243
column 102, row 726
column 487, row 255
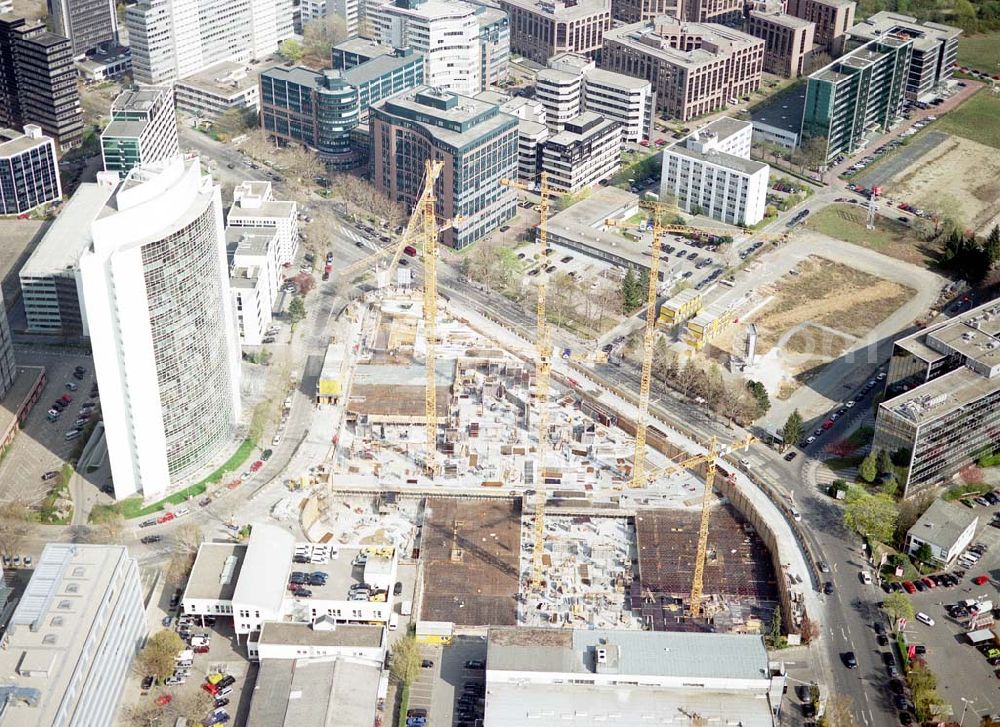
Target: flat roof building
column 621, row 677
column 29, row 171
column 780, row 120
column 832, row 18
column 859, row 94
column 214, row 90
column 87, row 23
column 69, row 647
column 474, row 139
column 946, row 528
column 935, row 48
column 50, row 278
column 729, row 12
column 942, row 405
column 585, row 152
column 540, row 29
column 142, row 129
column 494, row 45
column 710, row 172
column 694, row 68
column 788, row 41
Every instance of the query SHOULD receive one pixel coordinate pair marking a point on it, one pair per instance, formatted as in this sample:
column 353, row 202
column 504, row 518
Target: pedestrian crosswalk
column 355, row 236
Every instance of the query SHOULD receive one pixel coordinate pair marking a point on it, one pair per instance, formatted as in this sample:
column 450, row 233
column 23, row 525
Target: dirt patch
column 959, row 178
column 829, row 300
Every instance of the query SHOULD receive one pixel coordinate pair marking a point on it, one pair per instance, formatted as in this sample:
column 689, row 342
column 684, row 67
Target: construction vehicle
column 543, row 367
column 710, row 460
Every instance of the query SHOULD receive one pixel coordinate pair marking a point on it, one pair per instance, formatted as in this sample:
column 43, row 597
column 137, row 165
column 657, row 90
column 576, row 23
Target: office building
column 50, row 278
column 494, row 45
column 446, row 32
column 788, row 41
column 935, row 48
column 254, row 206
column 833, row 18
column 586, row 151
column 942, row 404
column 694, row 68
column 8, row 371
column 531, row 131
column 321, row 108
column 143, row 129
column 355, row 51
column 348, row 11
column 729, row 12
column 710, row 172
column 108, row 62
column 946, row 528
column 474, row 139
column 540, row 29
column 857, row 95
column 623, row 677
column 253, row 276
column 560, row 93
column 173, row 40
column 217, row 89
column 38, row 84
column 29, row 170
column 156, row 299
column 87, row 23
column 69, row 647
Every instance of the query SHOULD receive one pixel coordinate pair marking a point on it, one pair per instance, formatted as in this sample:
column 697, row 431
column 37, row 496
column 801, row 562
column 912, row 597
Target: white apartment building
column 254, row 205
column 710, row 172
column 174, row 39
column 253, row 280
column 70, row 644
column 447, row 33
column 156, row 300
column 587, row 150
column 572, row 83
column 143, row 129
column 531, row 134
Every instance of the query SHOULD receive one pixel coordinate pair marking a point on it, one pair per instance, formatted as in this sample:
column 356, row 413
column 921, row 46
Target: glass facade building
column 29, row 172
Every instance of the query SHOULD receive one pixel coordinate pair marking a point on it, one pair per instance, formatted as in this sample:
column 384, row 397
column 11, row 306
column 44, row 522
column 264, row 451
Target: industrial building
column 49, row 279
column 585, row 152
column 29, row 172
column 710, row 172
column 142, row 130
column 788, row 41
column 623, row 677
column 935, row 48
column 69, row 646
column 540, row 29
column 942, row 405
column 475, row 140
column 694, row 68
column 859, row 94
column 946, row 528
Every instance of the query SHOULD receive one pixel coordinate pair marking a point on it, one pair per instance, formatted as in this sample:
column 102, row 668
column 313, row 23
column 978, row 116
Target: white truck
column 406, row 608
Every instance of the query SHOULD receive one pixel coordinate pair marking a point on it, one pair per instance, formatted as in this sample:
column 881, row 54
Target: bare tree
column 14, row 519
column 188, row 538
column 144, row 714
column 319, row 36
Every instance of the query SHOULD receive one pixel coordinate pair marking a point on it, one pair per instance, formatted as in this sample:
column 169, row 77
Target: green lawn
column 848, row 223
column 132, row 507
column 981, row 52
column 976, row 119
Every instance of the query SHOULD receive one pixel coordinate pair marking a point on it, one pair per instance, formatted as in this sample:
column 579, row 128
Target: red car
column 644, row 142
column 165, row 518
column 828, row 423
column 980, row 580
column 210, row 688
column 66, row 397
column 200, row 649
column 164, row 699
column 928, row 582
column 909, row 587
column 256, row 465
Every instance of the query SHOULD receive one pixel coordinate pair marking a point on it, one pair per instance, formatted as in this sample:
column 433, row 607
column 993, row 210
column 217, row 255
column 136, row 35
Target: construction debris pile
column 589, row 564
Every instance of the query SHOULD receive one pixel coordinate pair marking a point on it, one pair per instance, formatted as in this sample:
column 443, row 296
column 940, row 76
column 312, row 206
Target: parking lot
column 41, row 446
column 962, row 671
column 442, row 689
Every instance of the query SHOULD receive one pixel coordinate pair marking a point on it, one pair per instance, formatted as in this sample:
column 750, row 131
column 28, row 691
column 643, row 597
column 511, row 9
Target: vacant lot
column 848, row 223
column 981, row 52
column 975, row 119
column 959, row 178
column 819, row 309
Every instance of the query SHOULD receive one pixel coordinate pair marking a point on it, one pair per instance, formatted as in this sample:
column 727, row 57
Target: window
column 64, row 605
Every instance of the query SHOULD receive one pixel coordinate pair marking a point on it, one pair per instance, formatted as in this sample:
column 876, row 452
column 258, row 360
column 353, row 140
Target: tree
column 157, row 656
column 231, row 122
column 884, row 462
column 291, row 50
column 924, row 554
column 809, row 630
column 792, row 431
column 188, row 538
column 296, row 310
column 868, row 470
column 775, row 639
column 760, row 396
column 871, row 516
column 305, row 282
column 405, row 664
column 14, row 517
column 897, row 606
column 631, row 292
column 319, row 36
column 993, row 246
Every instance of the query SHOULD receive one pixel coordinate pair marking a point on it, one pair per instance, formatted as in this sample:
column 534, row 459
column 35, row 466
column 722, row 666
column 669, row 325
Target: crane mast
column 427, row 203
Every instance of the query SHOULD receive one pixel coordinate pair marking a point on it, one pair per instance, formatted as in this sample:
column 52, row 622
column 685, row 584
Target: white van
column 924, row 618
column 866, row 578
column 393, row 621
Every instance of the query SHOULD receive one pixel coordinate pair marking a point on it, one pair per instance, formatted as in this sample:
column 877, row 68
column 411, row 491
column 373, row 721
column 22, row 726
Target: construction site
column 541, row 504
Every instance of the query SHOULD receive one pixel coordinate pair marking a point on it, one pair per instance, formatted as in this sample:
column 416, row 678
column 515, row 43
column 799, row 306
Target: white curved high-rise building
column 155, row 293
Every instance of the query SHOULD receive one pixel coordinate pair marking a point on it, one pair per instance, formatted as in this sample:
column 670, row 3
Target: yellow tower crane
column 543, row 367
column 427, row 202
column 710, row 459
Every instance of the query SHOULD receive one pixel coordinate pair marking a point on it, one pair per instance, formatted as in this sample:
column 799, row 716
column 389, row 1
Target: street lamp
column 965, row 708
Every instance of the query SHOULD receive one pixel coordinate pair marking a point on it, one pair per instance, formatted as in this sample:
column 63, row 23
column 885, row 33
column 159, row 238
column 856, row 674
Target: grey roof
column 210, row 577
column 249, row 240
column 338, row 692
column 138, row 99
column 554, row 75
column 377, row 67
column 939, row 396
column 363, row 46
column 125, row 129
column 217, row 79
column 724, row 127
column 643, row 38
column 784, row 111
column 302, row 633
column 269, row 553
column 60, row 249
column 562, row 11
column 779, row 18
column 617, row 80
column 887, row 21
column 402, row 375
column 640, row 653
column 295, row 74
column 14, row 142
column 943, row 523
